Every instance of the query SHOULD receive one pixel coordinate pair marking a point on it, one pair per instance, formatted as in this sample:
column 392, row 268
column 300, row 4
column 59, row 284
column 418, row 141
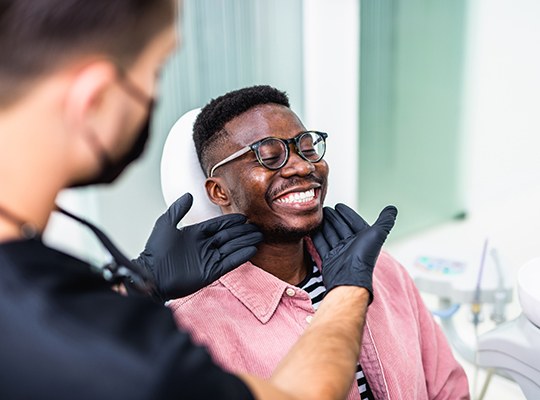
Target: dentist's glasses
column 273, row 153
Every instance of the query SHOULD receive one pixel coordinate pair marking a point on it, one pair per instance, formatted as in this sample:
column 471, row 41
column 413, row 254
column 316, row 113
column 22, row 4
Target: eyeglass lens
column 273, row 153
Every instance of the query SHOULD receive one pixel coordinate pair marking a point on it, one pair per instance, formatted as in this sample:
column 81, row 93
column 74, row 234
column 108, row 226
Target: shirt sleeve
column 164, row 361
column 101, row 346
column 188, row 372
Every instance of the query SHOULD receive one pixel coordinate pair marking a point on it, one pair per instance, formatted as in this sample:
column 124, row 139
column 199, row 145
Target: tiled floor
column 511, row 226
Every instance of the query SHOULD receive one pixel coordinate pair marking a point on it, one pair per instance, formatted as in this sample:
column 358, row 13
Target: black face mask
column 111, row 169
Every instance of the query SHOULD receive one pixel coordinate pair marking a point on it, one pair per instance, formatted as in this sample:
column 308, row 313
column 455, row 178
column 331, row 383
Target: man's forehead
column 263, row 121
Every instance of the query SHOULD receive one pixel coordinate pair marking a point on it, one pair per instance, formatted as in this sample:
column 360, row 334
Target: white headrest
column 181, row 171
column 528, row 290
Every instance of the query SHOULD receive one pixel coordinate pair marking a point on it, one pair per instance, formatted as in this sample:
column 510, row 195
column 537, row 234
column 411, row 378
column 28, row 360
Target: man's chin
column 282, row 234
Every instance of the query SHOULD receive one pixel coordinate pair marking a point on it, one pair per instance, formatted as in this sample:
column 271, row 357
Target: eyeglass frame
column 255, row 148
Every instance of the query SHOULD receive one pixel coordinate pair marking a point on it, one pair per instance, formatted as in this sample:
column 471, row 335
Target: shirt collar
column 260, row 291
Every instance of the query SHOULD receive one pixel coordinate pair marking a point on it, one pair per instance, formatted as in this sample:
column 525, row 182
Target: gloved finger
column 340, row 227
column 246, row 240
column 320, row 243
column 328, row 230
column 233, row 233
column 351, row 217
column 326, row 237
column 176, row 211
column 216, row 224
column 176, row 289
column 387, row 218
column 234, row 260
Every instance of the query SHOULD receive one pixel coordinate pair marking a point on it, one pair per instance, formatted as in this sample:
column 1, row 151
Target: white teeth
column 298, row 197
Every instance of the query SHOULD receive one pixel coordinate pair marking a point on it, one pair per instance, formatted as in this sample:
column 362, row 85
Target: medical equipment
column 121, row 268
column 457, row 283
column 512, row 348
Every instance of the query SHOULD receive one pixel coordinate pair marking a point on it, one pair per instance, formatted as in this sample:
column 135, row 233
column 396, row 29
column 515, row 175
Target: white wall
column 331, row 32
column 502, row 99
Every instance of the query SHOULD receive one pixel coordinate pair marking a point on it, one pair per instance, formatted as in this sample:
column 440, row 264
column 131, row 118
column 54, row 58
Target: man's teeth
column 298, row 197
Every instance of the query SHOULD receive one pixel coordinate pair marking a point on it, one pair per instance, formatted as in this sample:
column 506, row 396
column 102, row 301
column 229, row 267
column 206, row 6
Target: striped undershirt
column 314, row 287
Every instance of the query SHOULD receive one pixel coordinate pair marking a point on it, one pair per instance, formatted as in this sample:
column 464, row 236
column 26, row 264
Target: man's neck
column 286, row 261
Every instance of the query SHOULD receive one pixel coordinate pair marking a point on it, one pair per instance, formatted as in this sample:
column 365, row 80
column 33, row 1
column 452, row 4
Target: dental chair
column 181, row 172
column 513, row 348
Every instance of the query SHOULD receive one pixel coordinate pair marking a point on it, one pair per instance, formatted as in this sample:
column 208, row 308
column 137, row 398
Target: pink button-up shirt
column 249, row 319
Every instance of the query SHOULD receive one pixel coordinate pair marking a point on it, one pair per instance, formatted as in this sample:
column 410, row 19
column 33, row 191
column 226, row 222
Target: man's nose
column 296, row 165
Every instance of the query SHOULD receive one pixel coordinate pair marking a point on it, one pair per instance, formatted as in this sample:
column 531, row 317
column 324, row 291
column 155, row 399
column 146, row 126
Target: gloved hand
column 185, row 260
column 349, row 246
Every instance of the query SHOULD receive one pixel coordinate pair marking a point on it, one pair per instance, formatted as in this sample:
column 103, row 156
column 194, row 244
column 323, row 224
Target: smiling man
column 280, row 189
column 261, row 161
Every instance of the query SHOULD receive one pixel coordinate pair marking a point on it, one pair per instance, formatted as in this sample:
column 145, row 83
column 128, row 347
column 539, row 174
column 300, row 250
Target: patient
column 261, row 161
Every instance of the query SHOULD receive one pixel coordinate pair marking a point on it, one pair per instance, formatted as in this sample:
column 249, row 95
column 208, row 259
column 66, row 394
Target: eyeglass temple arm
column 322, row 137
column 237, row 154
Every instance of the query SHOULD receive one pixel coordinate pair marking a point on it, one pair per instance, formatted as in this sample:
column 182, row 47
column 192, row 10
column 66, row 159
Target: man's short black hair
column 209, row 125
column 38, row 36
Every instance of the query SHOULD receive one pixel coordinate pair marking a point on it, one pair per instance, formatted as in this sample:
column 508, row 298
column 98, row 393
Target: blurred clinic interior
column 431, row 105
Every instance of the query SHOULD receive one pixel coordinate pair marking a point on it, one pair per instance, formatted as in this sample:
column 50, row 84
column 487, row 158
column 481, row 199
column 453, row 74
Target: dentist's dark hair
column 38, row 36
column 208, row 128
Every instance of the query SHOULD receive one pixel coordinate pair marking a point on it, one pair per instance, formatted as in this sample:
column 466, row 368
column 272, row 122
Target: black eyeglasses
column 273, row 153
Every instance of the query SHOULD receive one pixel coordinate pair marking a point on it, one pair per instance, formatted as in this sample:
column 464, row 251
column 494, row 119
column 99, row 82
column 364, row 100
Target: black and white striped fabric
column 313, row 285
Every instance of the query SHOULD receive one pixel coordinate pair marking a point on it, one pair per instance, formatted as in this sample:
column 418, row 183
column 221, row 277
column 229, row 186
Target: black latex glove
column 185, row 260
column 349, row 246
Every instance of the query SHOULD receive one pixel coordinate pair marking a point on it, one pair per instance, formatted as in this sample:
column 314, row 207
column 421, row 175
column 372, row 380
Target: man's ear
column 217, row 192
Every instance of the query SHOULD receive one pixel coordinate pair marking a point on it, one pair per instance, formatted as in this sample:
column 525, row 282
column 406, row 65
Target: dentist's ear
column 87, row 107
column 217, row 192
column 87, row 91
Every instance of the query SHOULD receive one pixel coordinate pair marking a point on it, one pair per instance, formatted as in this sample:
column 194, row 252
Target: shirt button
column 309, row 318
column 290, row 292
